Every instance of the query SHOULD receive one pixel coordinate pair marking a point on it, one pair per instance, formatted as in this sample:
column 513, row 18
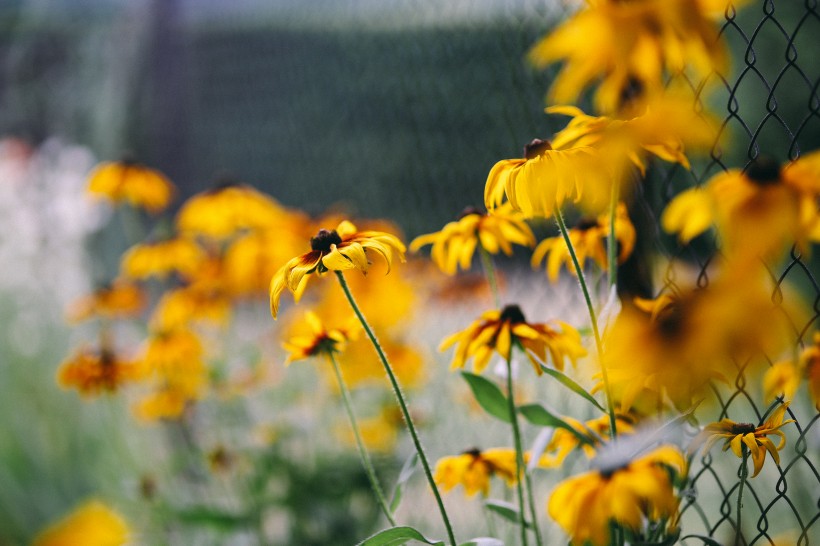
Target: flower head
column 628, row 493
column 499, row 331
column 589, row 239
column 455, row 244
column 92, row 524
column 127, row 181
column 162, row 258
column 92, row 371
column 746, row 435
column 120, row 299
column 564, row 442
column 784, row 377
column 755, row 211
column 474, row 468
column 321, row 340
column 340, row 249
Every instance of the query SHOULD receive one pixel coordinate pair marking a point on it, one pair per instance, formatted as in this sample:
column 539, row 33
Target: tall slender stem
column 559, row 219
column 489, row 271
column 368, row 464
column 519, row 454
column 402, row 404
column 743, row 473
column 612, row 240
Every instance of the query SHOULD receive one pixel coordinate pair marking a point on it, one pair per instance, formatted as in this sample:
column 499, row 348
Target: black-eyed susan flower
column 130, row 182
column 341, row 249
column 474, row 468
column 756, row 211
column 91, row 524
column 180, row 307
column 630, row 493
column 564, row 442
column 222, row 212
column 119, row 299
column 160, row 259
column 784, row 378
column 691, row 340
column 741, row 436
column 455, row 244
column 321, row 340
column 589, row 239
column 499, row 331
column 93, row 371
column 627, row 46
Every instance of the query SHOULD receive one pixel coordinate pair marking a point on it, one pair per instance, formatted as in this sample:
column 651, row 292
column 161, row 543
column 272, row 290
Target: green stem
column 489, row 271
column 744, row 472
column 612, row 240
column 402, row 404
column 559, row 219
column 519, row 454
column 368, row 464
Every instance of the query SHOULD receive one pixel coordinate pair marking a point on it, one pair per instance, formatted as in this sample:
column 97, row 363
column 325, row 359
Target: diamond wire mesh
column 770, row 107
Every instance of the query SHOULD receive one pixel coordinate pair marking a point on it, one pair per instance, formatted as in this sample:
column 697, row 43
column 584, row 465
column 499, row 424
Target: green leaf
column 573, row 386
column 396, row 536
column 488, row 396
column 539, row 415
column 406, row 472
column 482, row 541
column 506, row 510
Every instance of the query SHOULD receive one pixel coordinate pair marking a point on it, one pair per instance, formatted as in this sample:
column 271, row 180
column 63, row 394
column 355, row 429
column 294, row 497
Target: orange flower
column 133, row 183
column 120, row 299
column 91, row 372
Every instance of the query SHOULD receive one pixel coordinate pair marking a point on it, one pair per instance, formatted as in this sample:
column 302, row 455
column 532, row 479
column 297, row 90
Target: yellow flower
column 252, row 258
column 474, row 468
column 783, row 378
column 162, row 258
column 204, row 299
column 222, row 212
column 320, row 341
column 691, row 340
column 592, row 153
column 379, row 433
column 93, row 371
column 456, row 243
column 120, row 299
column 755, row 439
column 338, row 250
column 498, row 331
column 563, row 442
column 628, row 45
column 626, row 492
column 92, row 524
column 167, row 403
column 589, row 239
column 758, row 211
column 133, row 183
column 174, row 351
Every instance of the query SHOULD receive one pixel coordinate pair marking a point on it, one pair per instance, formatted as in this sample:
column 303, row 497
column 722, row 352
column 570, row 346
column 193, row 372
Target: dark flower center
column 632, row 90
column 764, row 171
column 473, row 452
column 512, row 313
column 468, row 211
column 585, row 224
column 607, row 472
column 536, row 147
column 671, row 323
column 324, row 239
column 742, row 428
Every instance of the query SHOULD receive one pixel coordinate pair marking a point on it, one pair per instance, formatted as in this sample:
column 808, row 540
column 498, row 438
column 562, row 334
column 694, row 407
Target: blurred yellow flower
column 740, row 435
column 132, row 183
column 162, row 258
column 360, row 366
column 320, row 341
column 172, row 351
column 224, row 211
column 167, row 403
column 338, row 250
column 182, row 306
column 474, row 468
column 455, row 244
column 692, row 339
column 91, row 524
column 499, row 331
column 757, row 211
column 251, row 259
column 589, row 239
column 625, row 492
column 380, row 432
column 120, row 299
column 564, row 442
column 627, row 46
column 784, row 377
column 93, row 371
